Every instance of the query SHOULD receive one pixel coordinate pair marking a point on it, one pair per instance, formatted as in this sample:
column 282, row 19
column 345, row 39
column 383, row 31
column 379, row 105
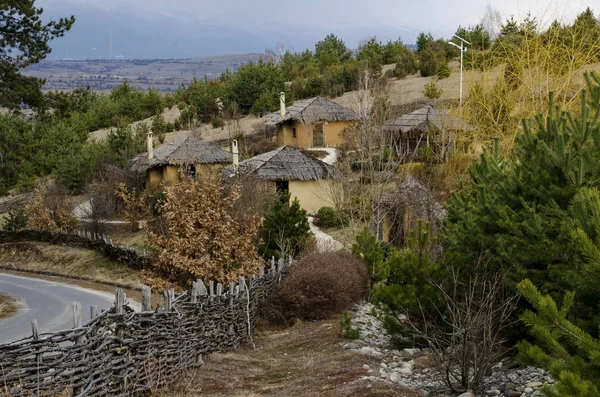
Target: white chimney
column 236, row 157
column 282, row 103
column 150, row 146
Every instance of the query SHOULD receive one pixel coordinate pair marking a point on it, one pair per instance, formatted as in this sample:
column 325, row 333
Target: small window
column 294, row 133
column 282, row 186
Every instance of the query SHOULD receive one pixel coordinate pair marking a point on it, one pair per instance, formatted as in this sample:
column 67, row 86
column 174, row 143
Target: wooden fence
column 98, row 242
column 120, row 352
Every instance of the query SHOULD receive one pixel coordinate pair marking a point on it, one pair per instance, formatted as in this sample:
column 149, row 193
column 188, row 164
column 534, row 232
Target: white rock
column 535, row 385
column 410, row 352
column 405, row 371
column 528, row 390
column 394, row 377
column 493, row 392
column 366, row 367
column 467, row 394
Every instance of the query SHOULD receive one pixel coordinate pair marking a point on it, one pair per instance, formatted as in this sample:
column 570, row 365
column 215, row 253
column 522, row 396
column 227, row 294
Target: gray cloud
column 260, row 23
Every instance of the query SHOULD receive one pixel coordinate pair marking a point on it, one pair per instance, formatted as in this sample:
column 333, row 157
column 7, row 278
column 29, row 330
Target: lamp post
column 462, row 47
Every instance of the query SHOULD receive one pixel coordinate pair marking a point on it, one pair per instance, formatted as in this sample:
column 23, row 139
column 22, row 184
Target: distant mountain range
column 123, row 30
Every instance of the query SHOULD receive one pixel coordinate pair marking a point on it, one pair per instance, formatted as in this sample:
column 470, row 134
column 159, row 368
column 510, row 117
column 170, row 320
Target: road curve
column 49, row 302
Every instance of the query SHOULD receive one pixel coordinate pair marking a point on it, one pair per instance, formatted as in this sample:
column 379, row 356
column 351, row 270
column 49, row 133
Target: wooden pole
column 146, row 299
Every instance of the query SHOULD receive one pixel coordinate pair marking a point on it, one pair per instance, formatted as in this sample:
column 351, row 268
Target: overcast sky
column 300, row 21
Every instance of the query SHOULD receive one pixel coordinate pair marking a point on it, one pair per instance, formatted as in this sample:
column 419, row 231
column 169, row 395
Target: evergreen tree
column 371, row 51
column 331, row 50
column 517, row 210
column 423, row 39
column 284, row 229
column 570, row 354
column 24, row 41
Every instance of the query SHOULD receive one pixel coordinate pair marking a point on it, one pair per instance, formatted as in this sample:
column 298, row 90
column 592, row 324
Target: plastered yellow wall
column 304, row 136
column 312, row 195
column 169, row 174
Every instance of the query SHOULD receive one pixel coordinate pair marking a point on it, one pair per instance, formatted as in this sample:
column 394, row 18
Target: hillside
column 166, row 75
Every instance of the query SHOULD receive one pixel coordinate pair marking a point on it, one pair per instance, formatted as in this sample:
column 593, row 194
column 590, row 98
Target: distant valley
column 166, row 75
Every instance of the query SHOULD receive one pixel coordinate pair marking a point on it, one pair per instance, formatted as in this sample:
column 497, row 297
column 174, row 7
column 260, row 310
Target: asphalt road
column 51, row 303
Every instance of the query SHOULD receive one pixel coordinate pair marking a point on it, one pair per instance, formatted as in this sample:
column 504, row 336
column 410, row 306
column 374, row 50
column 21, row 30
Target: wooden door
column 318, row 135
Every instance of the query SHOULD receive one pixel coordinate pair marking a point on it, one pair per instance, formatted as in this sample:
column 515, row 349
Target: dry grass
column 7, row 306
column 68, row 261
column 122, row 234
column 302, row 361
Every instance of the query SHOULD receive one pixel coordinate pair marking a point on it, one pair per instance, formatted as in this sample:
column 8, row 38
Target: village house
column 288, row 169
column 428, row 127
column 315, row 122
column 168, row 162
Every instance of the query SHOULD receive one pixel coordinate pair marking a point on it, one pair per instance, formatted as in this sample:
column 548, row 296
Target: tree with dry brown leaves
column 200, row 238
column 134, row 205
column 50, row 209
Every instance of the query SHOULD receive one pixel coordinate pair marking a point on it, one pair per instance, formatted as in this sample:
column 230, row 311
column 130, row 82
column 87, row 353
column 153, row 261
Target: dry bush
column 519, row 73
column 50, row 209
column 134, row 205
column 320, row 285
column 255, row 196
column 468, row 338
column 201, row 239
column 253, row 146
column 103, row 203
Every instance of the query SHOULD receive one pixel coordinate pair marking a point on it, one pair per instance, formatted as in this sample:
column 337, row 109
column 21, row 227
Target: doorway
column 319, row 135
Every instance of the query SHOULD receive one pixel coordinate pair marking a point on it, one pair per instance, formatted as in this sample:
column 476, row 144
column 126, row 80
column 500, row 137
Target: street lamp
column 462, row 47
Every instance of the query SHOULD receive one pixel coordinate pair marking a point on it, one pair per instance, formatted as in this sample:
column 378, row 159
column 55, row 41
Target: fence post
column 219, row 291
column 119, row 300
column 146, row 299
column 36, row 335
column 77, row 324
column 93, row 311
column 167, row 300
column 76, row 314
column 194, row 292
column 231, row 291
column 201, row 288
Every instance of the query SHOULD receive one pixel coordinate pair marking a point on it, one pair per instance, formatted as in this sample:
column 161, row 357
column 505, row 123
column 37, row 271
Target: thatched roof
column 312, row 110
column 186, row 151
column 284, row 164
column 421, row 120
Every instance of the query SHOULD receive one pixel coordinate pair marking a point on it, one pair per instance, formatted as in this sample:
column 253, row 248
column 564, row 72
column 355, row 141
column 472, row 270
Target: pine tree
column 570, row 354
column 516, row 209
column 284, row 229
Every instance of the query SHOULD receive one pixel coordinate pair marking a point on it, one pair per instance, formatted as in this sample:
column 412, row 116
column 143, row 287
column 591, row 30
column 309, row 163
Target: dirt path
column 305, row 360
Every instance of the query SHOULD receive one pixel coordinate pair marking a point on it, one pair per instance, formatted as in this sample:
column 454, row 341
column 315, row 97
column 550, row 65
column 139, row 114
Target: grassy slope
column 67, row 261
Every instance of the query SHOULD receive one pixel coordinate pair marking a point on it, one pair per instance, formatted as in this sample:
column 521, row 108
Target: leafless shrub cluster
column 468, row 337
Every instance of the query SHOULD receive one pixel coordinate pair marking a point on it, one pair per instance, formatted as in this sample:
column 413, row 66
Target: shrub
column 320, row 285
column 16, row 220
column 443, row 71
column 432, row 90
column 217, row 122
column 428, row 63
column 328, row 217
column 348, row 331
column 283, row 229
column 406, row 65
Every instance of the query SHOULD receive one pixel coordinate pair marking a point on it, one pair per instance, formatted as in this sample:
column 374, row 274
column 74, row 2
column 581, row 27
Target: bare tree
column 467, row 336
column 492, row 21
column 275, row 55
